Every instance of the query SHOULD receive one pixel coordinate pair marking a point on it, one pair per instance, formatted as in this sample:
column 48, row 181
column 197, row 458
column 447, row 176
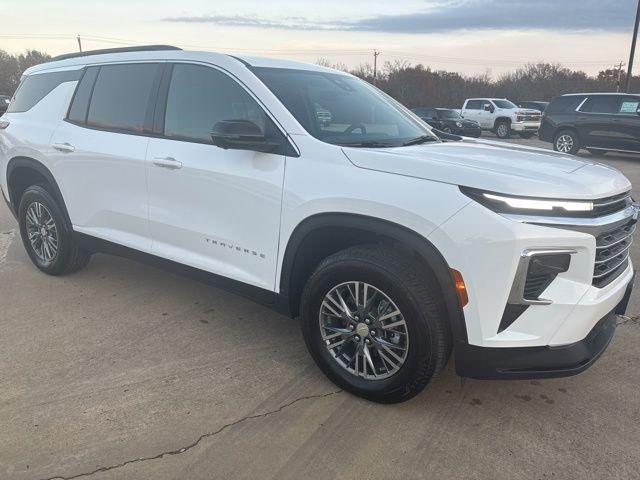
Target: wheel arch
column 323, row 234
column 499, row 120
column 23, row 172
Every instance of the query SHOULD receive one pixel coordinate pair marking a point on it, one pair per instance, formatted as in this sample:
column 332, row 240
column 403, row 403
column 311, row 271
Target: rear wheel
column 566, row 141
column 46, row 234
column 503, row 129
column 373, row 322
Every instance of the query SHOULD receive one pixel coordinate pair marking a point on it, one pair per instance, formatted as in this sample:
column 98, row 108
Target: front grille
column 612, row 253
column 606, row 206
column 529, row 118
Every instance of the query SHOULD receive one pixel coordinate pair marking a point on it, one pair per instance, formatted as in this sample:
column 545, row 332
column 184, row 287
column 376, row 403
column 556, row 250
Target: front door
column 214, row 209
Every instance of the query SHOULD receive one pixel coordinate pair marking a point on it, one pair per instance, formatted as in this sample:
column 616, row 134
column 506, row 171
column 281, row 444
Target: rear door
column 627, row 123
column 473, row 110
column 597, row 124
column 99, row 152
column 214, row 209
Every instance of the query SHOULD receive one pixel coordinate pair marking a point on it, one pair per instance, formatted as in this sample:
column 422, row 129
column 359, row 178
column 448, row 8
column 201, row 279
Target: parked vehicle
column 535, row 105
column 393, row 247
column 502, row 117
column 4, row 103
column 449, row 121
column 598, row 122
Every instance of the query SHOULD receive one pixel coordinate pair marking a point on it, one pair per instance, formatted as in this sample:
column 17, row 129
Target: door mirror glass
column 241, row 135
column 488, row 107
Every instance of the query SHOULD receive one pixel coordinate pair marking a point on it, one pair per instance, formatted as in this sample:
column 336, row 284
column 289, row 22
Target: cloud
column 453, row 15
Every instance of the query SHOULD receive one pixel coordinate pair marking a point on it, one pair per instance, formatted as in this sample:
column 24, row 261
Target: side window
column 629, row 106
column 199, row 97
column 474, row 105
column 601, row 104
column 565, row 104
column 122, row 96
column 34, row 88
column 80, row 103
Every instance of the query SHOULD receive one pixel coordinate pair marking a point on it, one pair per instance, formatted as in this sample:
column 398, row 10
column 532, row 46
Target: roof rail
column 143, row 48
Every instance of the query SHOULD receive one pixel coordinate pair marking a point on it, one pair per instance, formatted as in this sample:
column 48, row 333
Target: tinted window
column 474, row 105
column 602, row 104
column 80, row 103
column 121, row 96
column 35, row 87
column 629, row 105
column 564, row 104
column 504, row 104
column 449, row 114
column 343, row 110
column 199, row 97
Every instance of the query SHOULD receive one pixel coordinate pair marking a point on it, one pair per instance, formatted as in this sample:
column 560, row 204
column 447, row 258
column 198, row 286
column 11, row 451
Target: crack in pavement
column 625, row 319
column 5, row 242
column 194, row 444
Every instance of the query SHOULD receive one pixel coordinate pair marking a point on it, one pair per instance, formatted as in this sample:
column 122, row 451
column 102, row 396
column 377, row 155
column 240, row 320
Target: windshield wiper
column 369, row 144
column 419, row 140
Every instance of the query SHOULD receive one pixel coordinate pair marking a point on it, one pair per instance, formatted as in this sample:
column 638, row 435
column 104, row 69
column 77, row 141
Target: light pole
column 633, row 49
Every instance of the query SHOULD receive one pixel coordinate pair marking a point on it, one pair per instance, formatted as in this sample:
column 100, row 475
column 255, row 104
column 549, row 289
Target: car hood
column 497, row 167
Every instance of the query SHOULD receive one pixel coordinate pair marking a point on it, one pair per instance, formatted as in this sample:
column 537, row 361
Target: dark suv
column 449, row 121
column 599, row 122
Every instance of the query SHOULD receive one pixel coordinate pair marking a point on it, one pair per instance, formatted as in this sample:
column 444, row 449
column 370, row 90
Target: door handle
column 167, row 162
column 64, row 147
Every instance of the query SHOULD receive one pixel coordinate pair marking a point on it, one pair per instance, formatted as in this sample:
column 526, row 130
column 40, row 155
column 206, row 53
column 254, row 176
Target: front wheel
column 503, row 129
column 374, row 323
column 566, row 141
column 46, row 234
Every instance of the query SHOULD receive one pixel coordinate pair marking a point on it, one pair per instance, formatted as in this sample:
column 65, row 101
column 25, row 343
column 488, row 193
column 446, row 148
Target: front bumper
column 525, row 126
column 540, row 362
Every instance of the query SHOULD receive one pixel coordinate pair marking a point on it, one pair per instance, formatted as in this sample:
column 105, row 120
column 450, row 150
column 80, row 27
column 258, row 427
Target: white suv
column 393, row 246
column 502, row 116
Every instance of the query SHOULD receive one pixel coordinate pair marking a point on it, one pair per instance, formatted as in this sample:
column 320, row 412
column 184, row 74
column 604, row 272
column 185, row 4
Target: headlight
column 459, row 124
column 502, row 203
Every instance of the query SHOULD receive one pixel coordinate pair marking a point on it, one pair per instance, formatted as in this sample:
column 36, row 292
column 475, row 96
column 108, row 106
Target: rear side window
column 629, row 106
column 122, row 97
column 199, row 97
column 474, row 105
column 565, row 104
column 601, row 104
column 34, row 88
column 80, row 104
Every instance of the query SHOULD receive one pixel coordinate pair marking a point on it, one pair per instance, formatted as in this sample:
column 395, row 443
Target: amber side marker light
column 461, row 288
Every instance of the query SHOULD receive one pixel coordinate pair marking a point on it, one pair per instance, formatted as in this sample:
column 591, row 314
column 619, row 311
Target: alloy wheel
column 42, row 232
column 363, row 330
column 503, row 130
column 565, row 143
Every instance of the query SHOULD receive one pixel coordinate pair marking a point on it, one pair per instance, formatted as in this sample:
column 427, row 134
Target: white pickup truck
column 502, row 116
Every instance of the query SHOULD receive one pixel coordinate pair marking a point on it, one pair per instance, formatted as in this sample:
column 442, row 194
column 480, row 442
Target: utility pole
column 79, row 43
column 619, row 80
column 633, row 49
column 375, row 65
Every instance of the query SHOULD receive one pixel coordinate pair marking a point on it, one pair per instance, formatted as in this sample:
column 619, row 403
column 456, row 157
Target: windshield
column 344, row 110
column 504, row 104
column 449, row 114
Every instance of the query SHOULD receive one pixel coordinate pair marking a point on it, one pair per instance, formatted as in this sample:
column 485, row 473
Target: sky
column 467, row 36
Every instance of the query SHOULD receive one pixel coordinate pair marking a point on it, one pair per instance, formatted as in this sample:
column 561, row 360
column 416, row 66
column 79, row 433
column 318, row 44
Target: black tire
column 414, row 293
column 503, row 129
column 526, row 135
column 566, row 141
column 69, row 256
column 597, row 152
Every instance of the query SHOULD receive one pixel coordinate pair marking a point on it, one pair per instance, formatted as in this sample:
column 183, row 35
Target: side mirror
column 488, row 107
column 241, row 135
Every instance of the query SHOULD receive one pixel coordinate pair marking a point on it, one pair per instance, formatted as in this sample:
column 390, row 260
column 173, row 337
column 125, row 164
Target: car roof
column 92, row 58
column 600, row 94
